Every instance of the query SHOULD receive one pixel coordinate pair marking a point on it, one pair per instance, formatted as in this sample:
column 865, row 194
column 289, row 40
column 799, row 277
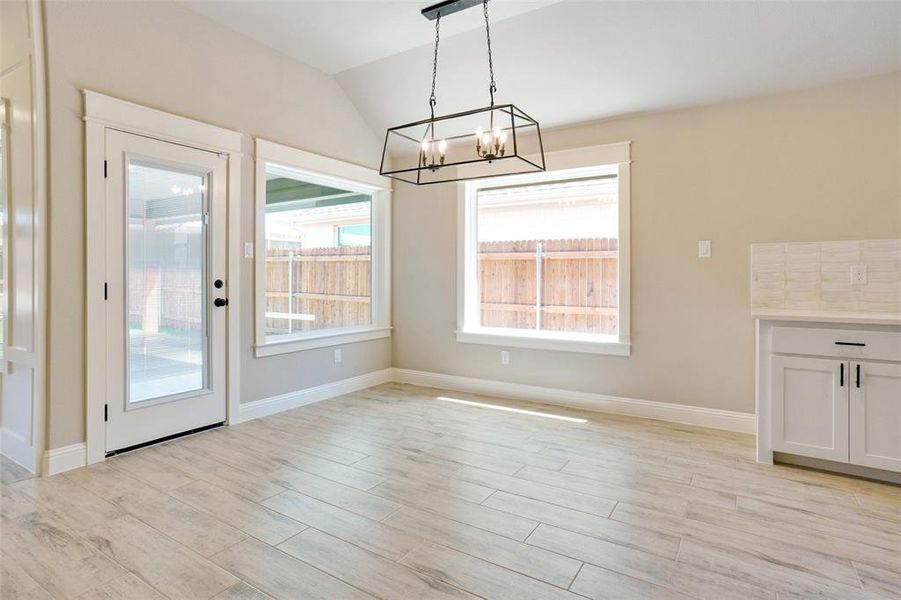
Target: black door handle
column 841, row 375
column 858, row 374
column 220, row 302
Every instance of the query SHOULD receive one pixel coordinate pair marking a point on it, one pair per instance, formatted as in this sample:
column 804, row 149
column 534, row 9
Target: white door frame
column 104, row 112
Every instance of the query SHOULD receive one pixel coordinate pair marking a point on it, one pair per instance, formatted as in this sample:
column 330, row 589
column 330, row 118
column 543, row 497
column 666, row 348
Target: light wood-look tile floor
column 401, row 492
column 10, row 472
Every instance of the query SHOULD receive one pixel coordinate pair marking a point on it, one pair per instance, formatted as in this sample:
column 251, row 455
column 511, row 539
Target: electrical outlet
column 858, row 274
column 704, row 249
column 248, row 249
column 338, row 356
column 505, row 357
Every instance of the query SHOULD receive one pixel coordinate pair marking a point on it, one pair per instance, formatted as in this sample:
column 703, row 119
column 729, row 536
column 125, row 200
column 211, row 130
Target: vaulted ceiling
column 571, row 61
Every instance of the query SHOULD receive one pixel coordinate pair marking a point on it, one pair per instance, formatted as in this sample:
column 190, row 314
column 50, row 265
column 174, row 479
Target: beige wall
column 815, row 165
column 165, row 56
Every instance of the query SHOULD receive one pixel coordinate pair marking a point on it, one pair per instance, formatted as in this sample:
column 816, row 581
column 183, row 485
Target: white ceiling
column 337, row 35
column 572, row 61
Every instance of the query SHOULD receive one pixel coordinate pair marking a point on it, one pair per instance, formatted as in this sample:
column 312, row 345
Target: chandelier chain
column 433, row 100
column 492, row 87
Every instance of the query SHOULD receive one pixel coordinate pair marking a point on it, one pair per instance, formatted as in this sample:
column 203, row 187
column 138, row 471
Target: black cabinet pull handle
column 220, row 302
column 858, row 374
column 858, row 344
column 841, row 375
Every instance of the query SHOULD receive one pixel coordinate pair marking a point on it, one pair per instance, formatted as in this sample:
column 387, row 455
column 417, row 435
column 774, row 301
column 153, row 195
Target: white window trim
column 609, row 156
column 327, row 171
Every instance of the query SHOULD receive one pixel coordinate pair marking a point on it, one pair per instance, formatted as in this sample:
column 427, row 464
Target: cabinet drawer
column 844, row 343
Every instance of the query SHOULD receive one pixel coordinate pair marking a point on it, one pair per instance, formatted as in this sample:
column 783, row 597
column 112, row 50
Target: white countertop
column 828, row 317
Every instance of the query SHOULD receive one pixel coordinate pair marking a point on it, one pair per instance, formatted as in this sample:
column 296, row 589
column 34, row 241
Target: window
column 354, row 235
column 322, row 251
column 545, row 260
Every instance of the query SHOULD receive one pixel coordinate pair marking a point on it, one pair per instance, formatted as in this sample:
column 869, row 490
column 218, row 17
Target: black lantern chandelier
column 499, row 139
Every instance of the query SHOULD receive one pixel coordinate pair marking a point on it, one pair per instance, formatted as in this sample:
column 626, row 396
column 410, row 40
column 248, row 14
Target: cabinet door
column 810, row 407
column 876, row 415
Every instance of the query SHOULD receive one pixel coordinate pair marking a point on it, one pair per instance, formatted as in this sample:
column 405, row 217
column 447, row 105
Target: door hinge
column 105, row 413
column 105, row 291
column 104, row 169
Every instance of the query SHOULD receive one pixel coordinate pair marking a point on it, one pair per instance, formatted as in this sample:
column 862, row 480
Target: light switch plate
column 338, row 357
column 858, row 274
column 505, row 357
column 704, row 249
column 248, row 249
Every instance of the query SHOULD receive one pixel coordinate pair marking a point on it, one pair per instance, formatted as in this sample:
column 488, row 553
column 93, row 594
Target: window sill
column 562, row 343
column 321, row 340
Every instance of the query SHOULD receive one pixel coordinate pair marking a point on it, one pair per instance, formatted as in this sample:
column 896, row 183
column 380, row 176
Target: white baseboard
column 66, row 458
column 662, row 411
column 276, row 404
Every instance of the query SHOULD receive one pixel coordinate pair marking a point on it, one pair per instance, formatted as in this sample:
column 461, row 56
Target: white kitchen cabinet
column 810, row 407
column 830, row 391
column 875, row 415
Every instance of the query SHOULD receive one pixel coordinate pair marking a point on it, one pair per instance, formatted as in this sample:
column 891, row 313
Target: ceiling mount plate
column 448, row 7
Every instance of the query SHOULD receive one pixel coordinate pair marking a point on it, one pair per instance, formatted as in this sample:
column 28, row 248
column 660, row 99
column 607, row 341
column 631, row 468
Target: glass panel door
column 166, row 293
column 166, row 270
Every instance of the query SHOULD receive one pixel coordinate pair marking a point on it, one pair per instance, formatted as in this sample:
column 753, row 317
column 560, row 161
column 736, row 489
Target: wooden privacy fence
column 312, row 288
column 165, row 299
column 317, row 288
column 570, row 285
column 556, row 285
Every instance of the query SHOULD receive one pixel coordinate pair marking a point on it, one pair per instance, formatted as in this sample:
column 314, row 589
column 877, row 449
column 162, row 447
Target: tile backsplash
column 817, row 276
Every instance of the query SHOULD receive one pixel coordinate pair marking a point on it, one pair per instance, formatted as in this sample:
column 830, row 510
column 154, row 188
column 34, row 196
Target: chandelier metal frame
column 490, row 152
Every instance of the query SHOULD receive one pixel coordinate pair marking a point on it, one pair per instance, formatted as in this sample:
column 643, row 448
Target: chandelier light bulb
column 442, row 146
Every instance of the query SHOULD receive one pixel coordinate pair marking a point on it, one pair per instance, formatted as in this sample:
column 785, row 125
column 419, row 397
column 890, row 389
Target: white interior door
column 876, row 415
column 166, row 294
column 21, row 228
column 810, row 407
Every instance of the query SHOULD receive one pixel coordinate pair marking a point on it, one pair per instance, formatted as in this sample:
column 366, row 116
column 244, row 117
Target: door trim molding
column 102, row 112
column 114, row 113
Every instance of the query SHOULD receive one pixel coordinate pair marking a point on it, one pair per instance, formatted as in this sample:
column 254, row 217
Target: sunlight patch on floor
column 519, row 411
